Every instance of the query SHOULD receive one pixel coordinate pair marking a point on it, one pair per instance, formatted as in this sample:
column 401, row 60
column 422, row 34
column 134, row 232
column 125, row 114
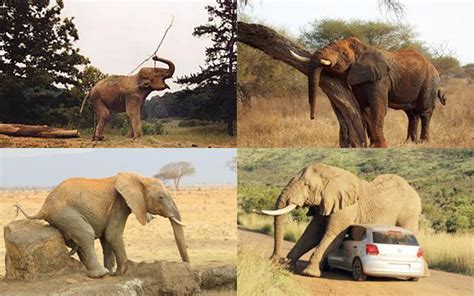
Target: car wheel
column 325, row 265
column 414, row 279
column 358, row 271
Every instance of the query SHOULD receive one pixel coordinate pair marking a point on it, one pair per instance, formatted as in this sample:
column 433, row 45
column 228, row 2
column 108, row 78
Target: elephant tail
column 84, row 101
column 40, row 216
column 441, row 97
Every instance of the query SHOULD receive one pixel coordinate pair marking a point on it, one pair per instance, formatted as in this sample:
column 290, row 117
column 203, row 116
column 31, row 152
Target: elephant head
column 323, row 187
column 349, row 57
column 154, row 78
column 149, row 195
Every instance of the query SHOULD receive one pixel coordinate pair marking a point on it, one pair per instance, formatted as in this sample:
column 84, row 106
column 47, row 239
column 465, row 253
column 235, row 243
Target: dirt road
column 341, row 283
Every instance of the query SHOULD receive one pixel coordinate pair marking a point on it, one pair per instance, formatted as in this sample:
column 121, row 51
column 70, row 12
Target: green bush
column 153, row 128
column 193, row 122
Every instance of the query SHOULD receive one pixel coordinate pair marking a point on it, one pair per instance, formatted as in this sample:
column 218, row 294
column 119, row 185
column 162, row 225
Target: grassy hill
column 442, row 177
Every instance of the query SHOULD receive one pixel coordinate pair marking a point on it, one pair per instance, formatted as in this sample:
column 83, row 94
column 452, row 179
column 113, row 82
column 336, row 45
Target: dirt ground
column 341, row 283
column 208, row 212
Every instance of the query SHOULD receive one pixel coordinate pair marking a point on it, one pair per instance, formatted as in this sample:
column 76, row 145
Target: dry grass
column 284, row 122
column 257, row 276
column 442, row 251
column 209, row 215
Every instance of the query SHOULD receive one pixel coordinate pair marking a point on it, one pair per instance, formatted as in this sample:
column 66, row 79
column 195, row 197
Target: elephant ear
column 144, row 77
column 340, row 191
column 371, row 66
column 132, row 190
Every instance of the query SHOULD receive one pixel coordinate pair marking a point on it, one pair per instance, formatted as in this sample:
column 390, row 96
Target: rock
column 36, row 251
column 71, row 281
column 222, row 277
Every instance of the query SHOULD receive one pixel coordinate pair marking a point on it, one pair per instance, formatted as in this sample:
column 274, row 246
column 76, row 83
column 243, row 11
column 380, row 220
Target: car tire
column 325, row 265
column 414, row 279
column 358, row 271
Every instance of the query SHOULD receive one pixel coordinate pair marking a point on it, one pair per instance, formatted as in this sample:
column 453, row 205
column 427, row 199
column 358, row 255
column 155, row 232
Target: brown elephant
column 338, row 199
column 126, row 94
column 86, row 209
column 379, row 79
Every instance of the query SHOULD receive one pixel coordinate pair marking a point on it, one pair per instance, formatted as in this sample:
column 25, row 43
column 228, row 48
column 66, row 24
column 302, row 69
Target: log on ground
column 37, row 131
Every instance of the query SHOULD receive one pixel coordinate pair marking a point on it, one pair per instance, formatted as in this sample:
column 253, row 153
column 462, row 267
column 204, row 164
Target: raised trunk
column 279, row 225
column 170, row 64
column 180, row 241
column 313, row 83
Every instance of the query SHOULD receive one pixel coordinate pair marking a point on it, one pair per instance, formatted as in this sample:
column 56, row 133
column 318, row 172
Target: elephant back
column 393, row 186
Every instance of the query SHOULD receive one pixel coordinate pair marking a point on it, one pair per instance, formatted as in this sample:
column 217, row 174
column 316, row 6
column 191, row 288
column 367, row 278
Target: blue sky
column 48, row 167
column 436, row 22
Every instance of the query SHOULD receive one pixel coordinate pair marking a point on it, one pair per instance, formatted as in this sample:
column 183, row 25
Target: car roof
column 381, row 227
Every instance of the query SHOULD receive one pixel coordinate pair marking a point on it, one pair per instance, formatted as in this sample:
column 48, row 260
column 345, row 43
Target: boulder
column 35, row 251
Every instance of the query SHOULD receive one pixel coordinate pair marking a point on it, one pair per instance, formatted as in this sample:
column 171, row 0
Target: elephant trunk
column 179, row 238
column 313, row 83
column 279, row 224
column 171, row 67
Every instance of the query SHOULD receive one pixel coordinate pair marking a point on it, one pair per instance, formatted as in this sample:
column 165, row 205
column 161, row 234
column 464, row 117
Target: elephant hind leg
column 413, row 121
column 80, row 231
column 103, row 115
column 425, row 126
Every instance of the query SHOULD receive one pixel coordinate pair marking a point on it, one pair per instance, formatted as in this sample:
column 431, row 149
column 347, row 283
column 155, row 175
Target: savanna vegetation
column 44, row 78
column 280, row 91
column 442, row 177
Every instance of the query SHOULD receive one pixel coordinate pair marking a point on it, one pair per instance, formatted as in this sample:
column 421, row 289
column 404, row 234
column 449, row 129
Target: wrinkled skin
column 86, row 209
column 337, row 199
column 379, row 79
column 126, row 94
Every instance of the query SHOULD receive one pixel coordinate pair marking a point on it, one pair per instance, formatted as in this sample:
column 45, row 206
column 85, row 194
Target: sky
column 49, row 167
column 118, row 35
column 437, row 23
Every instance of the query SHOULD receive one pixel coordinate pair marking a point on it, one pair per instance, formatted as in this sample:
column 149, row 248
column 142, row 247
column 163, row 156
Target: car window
column 394, row 238
column 355, row 233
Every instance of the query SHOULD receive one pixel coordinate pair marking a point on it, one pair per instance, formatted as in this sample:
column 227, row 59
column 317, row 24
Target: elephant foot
column 97, row 138
column 125, row 267
column 313, row 272
column 102, row 271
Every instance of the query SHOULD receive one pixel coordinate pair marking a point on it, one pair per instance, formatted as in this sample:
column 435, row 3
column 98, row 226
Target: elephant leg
column 114, row 237
column 103, row 116
column 309, row 239
column 130, row 133
column 134, row 115
column 80, row 231
column 367, row 122
column 378, row 110
column 425, row 126
column 109, row 257
column 337, row 225
column 413, row 121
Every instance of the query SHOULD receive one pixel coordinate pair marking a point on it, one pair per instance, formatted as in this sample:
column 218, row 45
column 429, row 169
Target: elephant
column 126, row 94
column 379, row 79
column 337, row 199
column 85, row 209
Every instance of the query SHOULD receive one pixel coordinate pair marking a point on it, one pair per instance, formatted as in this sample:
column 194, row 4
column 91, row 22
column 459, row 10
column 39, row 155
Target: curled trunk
column 170, row 64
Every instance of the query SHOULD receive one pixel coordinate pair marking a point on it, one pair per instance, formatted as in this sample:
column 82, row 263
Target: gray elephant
column 86, row 209
column 126, row 94
column 338, row 199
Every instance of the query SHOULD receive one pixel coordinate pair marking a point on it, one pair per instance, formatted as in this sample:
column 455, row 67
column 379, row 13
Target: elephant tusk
column 149, row 217
column 279, row 212
column 325, row 62
column 177, row 221
column 300, row 58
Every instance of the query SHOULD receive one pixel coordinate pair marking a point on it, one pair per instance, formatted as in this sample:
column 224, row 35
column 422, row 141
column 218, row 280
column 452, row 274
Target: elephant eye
column 162, row 197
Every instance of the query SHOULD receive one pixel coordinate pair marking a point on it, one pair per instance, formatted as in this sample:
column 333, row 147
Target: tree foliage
column 176, row 171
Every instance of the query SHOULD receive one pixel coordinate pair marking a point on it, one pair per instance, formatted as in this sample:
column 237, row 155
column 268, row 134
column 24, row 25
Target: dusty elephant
column 337, row 199
column 86, row 209
column 126, row 94
column 379, row 79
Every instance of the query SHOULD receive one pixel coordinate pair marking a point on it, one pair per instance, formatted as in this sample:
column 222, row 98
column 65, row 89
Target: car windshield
column 394, row 238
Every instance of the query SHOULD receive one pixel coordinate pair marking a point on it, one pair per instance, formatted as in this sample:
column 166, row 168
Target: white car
column 377, row 250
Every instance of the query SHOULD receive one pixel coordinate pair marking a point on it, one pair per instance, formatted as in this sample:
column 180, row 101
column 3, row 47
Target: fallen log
column 37, row 131
column 351, row 128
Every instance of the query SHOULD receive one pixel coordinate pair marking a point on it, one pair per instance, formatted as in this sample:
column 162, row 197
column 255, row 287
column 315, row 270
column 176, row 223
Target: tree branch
column 351, row 128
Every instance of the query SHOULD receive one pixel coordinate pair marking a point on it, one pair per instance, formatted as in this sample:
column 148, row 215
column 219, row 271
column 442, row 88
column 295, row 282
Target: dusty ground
column 341, row 283
column 209, row 214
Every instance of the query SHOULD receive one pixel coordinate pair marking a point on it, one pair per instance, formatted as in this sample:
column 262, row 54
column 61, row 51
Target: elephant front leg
column 378, row 111
column 109, row 257
column 413, row 120
column 114, row 238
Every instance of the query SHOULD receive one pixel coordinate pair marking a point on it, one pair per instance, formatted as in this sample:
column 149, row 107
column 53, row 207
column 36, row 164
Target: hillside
column 442, row 177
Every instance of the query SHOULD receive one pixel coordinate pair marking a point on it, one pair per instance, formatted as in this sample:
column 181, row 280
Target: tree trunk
column 351, row 128
column 38, row 131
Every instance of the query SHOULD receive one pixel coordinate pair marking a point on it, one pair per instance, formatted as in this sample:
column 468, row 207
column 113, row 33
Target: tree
column 176, row 171
column 219, row 73
column 232, row 164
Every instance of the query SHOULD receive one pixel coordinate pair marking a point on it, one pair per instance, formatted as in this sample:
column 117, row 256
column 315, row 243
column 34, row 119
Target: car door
column 351, row 246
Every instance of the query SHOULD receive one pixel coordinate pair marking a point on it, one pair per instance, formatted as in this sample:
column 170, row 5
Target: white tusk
column 325, row 62
column 149, row 217
column 177, row 221
column 279, row 212
column 300, row 58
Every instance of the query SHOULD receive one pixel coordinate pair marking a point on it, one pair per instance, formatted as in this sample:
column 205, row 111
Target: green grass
column 442, row 251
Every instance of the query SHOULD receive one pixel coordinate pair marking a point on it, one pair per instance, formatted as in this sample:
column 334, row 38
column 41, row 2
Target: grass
column 284, row 122
column 442, row 251
column 211, row 134
column 257, row 276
